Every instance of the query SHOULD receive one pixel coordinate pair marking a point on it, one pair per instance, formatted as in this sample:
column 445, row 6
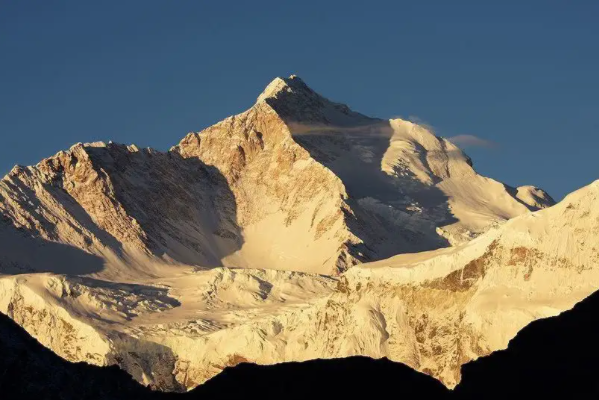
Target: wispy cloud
column 466, row 141
column 376, row 128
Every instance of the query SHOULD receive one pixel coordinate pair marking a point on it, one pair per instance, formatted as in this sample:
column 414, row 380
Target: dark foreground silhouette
column 557, row 356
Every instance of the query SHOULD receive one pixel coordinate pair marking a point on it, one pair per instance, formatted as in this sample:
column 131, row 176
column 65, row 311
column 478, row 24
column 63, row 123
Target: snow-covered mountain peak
column 277, row 85
column 177, row 264
column 296, row 165
column 298, row 104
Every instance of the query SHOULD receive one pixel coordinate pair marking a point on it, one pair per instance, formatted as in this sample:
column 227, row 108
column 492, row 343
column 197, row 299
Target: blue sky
column 523, row 75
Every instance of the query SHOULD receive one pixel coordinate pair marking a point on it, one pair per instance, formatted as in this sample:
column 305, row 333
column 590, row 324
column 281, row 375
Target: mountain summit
column 244, row 242
column 297, row 182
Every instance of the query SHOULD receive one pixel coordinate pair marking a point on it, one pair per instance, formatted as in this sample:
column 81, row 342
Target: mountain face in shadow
column 102, row 199
column 29, row 254
column 551, row 357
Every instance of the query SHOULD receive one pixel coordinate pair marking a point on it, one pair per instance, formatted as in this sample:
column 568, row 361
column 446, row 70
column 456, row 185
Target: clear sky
column 523, row 75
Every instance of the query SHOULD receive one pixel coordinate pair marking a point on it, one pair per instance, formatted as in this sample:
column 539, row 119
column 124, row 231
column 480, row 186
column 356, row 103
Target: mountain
column 31, row 371
column 28, row 370
column 435, row 311
column 296, row 182
column 553, row 357
column 273, row 236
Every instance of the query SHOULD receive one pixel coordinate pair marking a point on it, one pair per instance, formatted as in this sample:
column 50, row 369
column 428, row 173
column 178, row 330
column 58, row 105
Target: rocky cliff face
column 236, row 245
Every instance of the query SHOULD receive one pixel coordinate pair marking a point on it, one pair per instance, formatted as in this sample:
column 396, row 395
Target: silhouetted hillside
column 334, row 379
column 552, row 357
column 30, row 371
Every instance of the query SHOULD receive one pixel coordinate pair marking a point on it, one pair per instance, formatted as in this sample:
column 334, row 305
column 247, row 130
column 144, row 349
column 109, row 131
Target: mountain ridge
column 554, row 356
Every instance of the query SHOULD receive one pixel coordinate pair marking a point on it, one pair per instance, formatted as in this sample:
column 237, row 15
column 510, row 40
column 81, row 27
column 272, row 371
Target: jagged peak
column 296, row 102
column 79, row 149
column 292, row 84
column 16, row 169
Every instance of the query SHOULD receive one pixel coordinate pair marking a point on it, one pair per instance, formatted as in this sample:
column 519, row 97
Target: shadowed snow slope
column 236, row 245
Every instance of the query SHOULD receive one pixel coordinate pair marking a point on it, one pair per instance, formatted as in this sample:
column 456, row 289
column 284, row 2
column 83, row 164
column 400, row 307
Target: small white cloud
column 471, row 141
column 377, row 128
